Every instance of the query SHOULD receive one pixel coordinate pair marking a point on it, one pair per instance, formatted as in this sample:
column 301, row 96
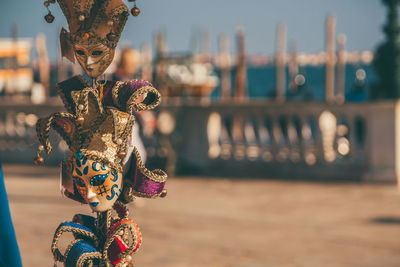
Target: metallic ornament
column 81, row 18
column 49, row 18
column 135, row 11
column 122, row 154
column 38, row 160
column 164, row 193
column 86, row 36
column 80, row 120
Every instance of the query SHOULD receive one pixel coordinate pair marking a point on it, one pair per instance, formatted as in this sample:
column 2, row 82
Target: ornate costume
column 103, row 168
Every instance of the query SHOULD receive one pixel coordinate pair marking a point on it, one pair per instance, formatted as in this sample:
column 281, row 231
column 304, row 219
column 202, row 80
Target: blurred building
column 16, row 74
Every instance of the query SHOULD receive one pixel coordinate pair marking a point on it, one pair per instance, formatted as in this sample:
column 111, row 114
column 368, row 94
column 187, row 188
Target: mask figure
column 94, row 58
column 99, row 185
column 95, row 28
column 103, row 170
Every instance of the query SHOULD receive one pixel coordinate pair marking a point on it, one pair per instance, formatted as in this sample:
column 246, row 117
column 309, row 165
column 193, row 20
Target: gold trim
column 145, row 195
column 88, row 256
column 129, row 251
column 130, row 104
column 156, row 175
column 97, row 156
column 57, row 235
column 115, row 92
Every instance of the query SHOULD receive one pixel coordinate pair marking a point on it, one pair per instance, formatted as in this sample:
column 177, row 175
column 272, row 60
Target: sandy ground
column 221, row 222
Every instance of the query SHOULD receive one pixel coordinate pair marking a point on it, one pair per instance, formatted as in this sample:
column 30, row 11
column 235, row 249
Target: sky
column 360, row 20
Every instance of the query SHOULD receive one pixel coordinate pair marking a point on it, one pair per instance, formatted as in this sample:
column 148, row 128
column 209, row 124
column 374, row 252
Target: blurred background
column 279, row 127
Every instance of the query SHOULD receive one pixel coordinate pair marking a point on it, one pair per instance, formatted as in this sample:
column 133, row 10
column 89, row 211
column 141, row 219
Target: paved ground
column 219, row 222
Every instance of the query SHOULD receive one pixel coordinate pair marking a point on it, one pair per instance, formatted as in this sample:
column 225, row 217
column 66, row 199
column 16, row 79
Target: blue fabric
column 78, row 249
column 9, row 252
column 87, row 221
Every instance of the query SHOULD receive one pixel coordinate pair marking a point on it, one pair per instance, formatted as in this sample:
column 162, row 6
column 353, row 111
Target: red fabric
column 114, row 250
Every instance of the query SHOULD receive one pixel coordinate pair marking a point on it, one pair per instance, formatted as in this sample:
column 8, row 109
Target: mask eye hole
column 96, row 181
column 97, row 53
column 80, row 52
column 79, row 182
column 99, row 179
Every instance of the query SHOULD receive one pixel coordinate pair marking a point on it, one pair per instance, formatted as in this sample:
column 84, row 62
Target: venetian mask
column 94, row 58
column 98, row 184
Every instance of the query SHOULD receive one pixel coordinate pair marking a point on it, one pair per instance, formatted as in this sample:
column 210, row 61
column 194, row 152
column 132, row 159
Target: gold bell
column 135, row 11
column 38, row 160
column 164, row 193
column 49, row 18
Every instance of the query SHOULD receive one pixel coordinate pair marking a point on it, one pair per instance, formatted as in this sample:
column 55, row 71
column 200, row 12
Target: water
column 261, row 82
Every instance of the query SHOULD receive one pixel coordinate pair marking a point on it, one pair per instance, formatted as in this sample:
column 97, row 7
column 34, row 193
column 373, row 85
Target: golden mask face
column 94, row 58
column 98, row 184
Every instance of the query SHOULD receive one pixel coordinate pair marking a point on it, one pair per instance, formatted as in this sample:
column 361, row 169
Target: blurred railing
column 290, row 140
column 256, row 138
column 18, row 140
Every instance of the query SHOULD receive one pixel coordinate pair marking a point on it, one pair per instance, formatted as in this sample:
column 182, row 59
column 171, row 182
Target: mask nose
column 90, row 61
column 90, row 194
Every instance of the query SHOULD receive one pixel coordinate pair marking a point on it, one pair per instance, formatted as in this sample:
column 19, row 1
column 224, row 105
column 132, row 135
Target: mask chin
column 101, row 206
column 94, row 72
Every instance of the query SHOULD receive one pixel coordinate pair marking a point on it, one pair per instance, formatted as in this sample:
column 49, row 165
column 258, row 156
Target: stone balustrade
column 294, row 140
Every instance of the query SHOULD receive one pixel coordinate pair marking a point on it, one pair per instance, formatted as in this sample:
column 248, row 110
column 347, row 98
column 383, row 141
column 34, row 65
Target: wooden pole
column 161, row 65
column 330, row 60
column 293, row 67
column 240, row 79
column 43, row 62
column 205, row 47
column 147, row 67
column 281, row 63
column 341, row 75
column 225, row 65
